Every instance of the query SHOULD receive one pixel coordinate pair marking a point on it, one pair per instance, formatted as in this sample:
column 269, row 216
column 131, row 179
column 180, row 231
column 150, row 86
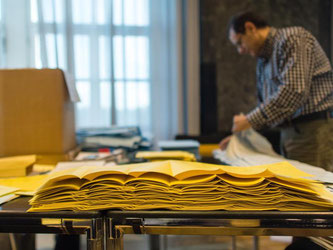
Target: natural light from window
column 106, row 44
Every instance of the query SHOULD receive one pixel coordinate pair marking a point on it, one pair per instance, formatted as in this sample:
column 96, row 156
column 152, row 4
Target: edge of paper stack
column 14, row 181
column 182, row 185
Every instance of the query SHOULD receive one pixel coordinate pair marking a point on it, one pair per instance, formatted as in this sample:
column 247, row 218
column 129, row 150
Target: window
column 106, row 45
column 2, row 37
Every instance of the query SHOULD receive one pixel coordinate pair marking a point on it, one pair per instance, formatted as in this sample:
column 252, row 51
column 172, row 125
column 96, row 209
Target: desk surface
column 14, row 218
column 19, row 206
column 241, row 222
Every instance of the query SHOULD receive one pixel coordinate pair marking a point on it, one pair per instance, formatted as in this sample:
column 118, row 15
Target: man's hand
column 240, row 123
column 224, row 143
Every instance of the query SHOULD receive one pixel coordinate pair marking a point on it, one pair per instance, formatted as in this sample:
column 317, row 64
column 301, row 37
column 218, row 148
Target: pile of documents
column 13, row 177
column 182, row 185
column 166, row 155
column 191, row 146
column 16, row 165
column 112, row 137
column 248, row 147
column 11, row 188
column 26, row 185
column 115, row 155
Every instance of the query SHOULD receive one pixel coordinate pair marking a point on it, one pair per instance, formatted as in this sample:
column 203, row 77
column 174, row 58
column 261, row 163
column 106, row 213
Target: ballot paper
column 23, row 185
column 7, row 194
column 8, row 197
column 16, row 165
column 250, row 148
column 4, row 190
column 166, row 155
column 64, row 165
column 182, row 185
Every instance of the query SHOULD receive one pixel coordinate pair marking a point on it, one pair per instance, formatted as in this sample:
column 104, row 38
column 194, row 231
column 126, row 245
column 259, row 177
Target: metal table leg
column 95, row 235
column 154, row 242
column 233, row 243
column 94, row 228
column 256, row 242
column 114, row 237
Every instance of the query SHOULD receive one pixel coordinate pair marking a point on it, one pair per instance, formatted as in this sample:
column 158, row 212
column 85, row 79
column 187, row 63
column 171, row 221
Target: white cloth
column 250, row 148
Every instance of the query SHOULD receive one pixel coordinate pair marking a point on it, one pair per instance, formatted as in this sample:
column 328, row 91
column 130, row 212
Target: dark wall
column 228, row 79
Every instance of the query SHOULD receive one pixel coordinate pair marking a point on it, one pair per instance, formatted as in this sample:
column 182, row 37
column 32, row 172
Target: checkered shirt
column 294, row 78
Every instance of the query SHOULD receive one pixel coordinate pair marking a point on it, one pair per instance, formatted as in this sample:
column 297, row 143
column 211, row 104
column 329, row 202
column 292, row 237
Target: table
column 111, row 226
column 256, row 223
column 15, row 219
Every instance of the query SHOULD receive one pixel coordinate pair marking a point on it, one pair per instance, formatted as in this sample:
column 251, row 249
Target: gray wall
column 235, row 74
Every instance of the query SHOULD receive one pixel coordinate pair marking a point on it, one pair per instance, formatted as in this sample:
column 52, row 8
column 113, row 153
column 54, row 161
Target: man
column 295, row 88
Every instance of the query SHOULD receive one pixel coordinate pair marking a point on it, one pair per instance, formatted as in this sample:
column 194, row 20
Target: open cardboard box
column 36, row 113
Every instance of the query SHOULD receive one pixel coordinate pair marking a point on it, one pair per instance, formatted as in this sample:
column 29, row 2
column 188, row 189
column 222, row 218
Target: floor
column 173, row 242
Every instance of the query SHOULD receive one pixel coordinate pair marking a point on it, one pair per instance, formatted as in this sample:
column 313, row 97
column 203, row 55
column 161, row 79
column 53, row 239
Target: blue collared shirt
column 294, row 78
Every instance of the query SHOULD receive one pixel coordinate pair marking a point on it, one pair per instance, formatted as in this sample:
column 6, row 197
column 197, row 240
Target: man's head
column 248, row 32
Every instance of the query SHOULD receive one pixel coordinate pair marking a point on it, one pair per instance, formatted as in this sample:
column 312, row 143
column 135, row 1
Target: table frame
column 106, row 229
column 15, row 219
column 227, row 223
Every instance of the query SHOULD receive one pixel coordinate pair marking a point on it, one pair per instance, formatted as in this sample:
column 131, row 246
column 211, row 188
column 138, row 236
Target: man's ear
column 249, row 26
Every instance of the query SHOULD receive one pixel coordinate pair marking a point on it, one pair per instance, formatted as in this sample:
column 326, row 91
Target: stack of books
column 112, row 137
column 182, row 185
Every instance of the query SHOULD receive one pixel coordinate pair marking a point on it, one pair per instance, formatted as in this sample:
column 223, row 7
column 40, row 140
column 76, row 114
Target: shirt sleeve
column 295, row 67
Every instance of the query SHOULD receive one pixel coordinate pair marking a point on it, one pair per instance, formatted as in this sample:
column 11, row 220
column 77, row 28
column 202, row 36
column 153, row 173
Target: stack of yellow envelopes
column 11, row 188
column 166, row 155
column 16, row 166
column 26, row 185
column 182, row 185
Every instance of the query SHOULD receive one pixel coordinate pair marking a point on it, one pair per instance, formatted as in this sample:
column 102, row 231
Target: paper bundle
column 181, row 185
column 248, row 147
column 166, row 155
column 24, row 185
column 11, row 188
column 16, row 166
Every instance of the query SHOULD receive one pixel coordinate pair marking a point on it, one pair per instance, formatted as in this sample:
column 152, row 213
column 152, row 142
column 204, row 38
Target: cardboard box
column 36, row 112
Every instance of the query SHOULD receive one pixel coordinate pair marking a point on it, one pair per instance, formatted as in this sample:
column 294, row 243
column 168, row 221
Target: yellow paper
column 166, row 155
column 7, row 190
column 16, row 165
column 241, row 181
column 27, row 183
column 182, row 185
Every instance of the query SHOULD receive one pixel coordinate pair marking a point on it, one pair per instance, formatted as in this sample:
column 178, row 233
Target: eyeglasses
column 239, row 41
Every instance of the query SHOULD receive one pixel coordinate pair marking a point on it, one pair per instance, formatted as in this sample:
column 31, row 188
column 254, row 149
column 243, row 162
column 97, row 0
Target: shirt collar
column 267, row 48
